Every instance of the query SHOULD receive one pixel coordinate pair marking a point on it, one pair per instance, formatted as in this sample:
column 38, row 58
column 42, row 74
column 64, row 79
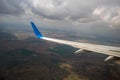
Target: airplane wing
column 112, row 51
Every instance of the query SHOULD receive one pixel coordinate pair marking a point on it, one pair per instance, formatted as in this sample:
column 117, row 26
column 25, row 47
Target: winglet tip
column 36, row 31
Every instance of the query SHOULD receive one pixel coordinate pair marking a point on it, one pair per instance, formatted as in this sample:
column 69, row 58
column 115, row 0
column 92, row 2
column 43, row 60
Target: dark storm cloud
column 12, row 7
column 75, row 11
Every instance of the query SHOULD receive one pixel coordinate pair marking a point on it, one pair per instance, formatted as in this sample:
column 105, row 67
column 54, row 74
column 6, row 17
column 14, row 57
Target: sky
column 88, row 16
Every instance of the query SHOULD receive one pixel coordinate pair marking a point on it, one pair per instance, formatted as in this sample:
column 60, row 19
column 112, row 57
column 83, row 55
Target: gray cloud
column 108, row 15
column 56, row 9
column 75, row 10
column 82, row 15
column 11, row 7
column 52, row 9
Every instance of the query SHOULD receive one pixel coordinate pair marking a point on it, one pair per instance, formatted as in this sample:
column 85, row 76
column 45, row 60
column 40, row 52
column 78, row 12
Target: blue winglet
column 36, row 31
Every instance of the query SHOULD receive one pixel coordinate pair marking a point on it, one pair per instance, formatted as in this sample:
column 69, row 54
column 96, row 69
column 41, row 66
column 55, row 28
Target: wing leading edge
column 108, row 50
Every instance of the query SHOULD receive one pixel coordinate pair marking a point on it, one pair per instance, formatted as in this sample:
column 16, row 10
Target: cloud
column 11, row 7
column 76, row 10
column 81, row 15
column 109, row 15
column 51, row 9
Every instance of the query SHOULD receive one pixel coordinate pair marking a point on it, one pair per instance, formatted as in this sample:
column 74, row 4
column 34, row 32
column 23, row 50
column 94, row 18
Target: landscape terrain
column 23, row 57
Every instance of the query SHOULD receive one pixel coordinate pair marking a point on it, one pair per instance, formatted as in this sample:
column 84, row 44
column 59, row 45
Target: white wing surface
column 112, row 51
